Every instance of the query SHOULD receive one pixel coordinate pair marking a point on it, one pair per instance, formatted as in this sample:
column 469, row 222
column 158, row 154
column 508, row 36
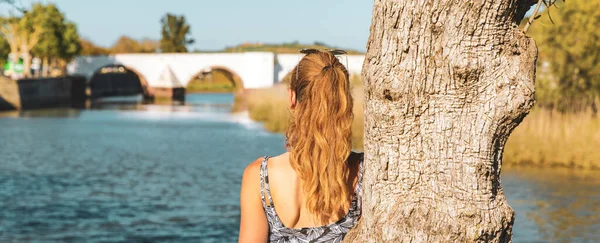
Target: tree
column 149, row 45
column 126, row 44
column 50, row 41
column 175, row 33
column 51, row 37
column 446, row 82
column 9, row 27
column 42, row 31
column 4, row 50
column 22, row 33
column 71, row 44
column 88, row 48
column 569, row 56
column 59, row 39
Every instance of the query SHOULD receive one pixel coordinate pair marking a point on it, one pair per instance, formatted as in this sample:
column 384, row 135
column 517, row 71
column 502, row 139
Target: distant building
column 12, row 69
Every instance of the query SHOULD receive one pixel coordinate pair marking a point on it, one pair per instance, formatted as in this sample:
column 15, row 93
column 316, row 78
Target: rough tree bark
column 446, row 82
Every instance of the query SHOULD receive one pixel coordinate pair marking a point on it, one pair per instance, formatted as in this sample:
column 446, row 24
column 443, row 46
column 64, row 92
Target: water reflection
column 554, row 204
column 197, row 102
column 48, row 113
column 152, row 106
column 127, row 171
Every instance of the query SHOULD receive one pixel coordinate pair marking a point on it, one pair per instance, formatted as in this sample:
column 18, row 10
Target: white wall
column 287, row 62
column 256, row 69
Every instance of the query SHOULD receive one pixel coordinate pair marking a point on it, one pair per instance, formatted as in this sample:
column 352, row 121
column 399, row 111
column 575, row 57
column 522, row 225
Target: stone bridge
column 248, row 70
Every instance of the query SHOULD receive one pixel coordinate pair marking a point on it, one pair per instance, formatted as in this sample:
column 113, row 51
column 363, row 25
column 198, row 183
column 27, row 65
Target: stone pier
column 41, row 93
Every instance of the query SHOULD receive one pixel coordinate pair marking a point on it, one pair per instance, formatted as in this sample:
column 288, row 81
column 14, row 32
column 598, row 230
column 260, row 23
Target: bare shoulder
column 253, row 221
column 279, row 162
column 283, row 156
column 251, row 181
column 253, row 169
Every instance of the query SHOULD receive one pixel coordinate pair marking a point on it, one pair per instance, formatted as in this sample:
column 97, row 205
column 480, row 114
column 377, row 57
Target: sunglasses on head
column 334, row 52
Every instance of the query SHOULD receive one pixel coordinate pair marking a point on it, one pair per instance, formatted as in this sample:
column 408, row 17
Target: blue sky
column 220, row 23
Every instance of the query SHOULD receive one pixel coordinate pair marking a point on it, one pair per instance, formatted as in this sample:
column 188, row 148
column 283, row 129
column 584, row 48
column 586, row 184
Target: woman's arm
column 253, row 225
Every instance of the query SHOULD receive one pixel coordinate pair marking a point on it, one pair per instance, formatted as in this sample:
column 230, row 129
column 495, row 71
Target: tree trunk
column 446, row 82
column 26, row 62
column 63, row 67
column 45, row 67
column 14, row 56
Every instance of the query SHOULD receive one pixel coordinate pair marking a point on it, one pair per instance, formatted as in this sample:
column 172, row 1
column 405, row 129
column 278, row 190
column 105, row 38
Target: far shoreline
column 208, row 92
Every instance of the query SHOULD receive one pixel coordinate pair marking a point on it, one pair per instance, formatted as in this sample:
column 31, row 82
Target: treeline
column 292, row 47
column 568, row 72
column 175, row 37
column 44, row 32
column 124, row 44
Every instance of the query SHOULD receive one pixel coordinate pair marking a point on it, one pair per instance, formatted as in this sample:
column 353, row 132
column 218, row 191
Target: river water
column 127, row 172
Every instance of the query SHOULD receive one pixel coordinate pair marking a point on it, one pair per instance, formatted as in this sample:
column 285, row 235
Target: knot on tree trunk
column 445, row 84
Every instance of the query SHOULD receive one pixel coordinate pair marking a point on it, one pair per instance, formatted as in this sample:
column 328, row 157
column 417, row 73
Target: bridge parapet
column 255, row 69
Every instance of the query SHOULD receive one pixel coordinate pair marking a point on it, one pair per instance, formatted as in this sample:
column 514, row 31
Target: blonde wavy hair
column 319, row 134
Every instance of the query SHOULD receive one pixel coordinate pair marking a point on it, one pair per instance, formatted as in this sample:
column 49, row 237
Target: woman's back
column 312, row 193
column 284, row 203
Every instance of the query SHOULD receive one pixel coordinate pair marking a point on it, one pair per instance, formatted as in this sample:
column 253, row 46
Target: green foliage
column 59, row 38
column 569, row 56
column 126, row 44
column 175, row 33
column 71, row 44
column 149, row 45
column 88, row 48
column 52, row 21
column 4, row 50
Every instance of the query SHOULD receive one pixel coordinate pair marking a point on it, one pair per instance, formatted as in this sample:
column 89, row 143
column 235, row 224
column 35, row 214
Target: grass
column 270, row 106
column 544, row 138
column 552, row 139
column 215, row 82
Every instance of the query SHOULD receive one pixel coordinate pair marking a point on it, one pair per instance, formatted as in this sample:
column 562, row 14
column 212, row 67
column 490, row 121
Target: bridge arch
column 235, row 79
column 117, row 80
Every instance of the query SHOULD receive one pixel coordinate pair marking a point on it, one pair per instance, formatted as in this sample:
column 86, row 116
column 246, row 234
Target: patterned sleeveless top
column 334, row 232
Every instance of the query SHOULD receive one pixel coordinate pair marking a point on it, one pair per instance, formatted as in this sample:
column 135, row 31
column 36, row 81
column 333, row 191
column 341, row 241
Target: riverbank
column 37, row 93
column 213, row 82
column 544, row 139
column 208, row 91
column 270, row 106
column 108, row 169
column 200, row 89
column 548, row 138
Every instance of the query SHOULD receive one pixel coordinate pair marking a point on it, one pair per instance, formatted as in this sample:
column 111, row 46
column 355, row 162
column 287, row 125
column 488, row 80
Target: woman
column 312, row 193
